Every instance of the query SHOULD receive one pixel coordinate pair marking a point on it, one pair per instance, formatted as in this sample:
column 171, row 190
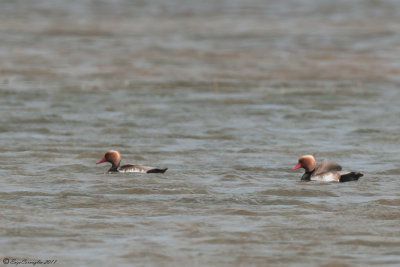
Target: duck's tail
column 351, row 176
column 157, row 170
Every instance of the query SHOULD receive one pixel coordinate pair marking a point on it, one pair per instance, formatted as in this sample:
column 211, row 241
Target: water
column 227, row 95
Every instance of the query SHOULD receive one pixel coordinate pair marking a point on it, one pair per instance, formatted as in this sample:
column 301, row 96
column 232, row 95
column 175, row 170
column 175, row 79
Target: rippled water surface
column 227, row 95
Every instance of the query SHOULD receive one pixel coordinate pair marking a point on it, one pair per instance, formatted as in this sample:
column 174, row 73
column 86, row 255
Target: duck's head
column 307, row 162
column 111, row 156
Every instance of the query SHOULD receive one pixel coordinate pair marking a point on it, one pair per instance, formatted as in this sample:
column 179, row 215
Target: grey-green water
column 225, row 94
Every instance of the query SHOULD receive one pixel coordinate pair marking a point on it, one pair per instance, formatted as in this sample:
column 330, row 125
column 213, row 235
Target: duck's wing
column 140, row 168
column 327, row 166
column 133, row 168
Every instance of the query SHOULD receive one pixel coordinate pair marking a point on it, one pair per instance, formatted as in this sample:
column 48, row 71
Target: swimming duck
column 327, row 171
column 114, row 158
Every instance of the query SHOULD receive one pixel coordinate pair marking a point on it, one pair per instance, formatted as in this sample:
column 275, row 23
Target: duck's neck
column 307, row 175
column 114, row 167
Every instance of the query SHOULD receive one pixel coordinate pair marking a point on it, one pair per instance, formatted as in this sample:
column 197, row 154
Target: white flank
column 133, row 169
column 326, row 177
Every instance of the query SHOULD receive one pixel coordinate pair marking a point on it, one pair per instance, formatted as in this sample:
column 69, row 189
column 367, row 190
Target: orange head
column 111, row 156
column 307, row 162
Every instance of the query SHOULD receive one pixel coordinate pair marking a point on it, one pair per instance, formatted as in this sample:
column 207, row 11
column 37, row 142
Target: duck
column 327, row 171
column 114, row 158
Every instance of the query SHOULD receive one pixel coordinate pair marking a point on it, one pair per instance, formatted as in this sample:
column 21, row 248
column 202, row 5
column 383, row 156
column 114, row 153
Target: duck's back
column 329, row 171
column 140, row 168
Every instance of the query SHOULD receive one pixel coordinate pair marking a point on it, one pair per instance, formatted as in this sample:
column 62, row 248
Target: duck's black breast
column 307, row 176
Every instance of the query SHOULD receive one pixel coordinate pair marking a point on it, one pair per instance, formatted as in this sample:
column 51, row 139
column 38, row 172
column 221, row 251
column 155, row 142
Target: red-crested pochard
column 327, row 171
column 114, row 158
